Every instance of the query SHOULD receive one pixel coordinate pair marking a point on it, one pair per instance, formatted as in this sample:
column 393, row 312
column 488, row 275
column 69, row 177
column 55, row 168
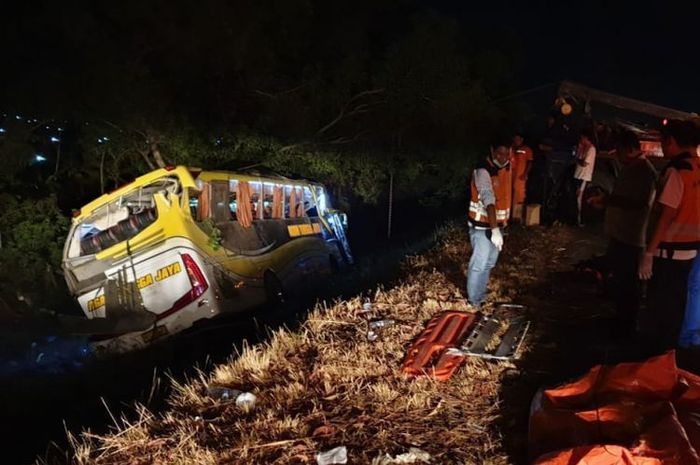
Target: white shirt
column 585, row 173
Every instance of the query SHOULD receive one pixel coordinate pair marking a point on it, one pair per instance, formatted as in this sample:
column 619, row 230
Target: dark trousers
column 558, row 192
column 666, row 298
column 625, row 286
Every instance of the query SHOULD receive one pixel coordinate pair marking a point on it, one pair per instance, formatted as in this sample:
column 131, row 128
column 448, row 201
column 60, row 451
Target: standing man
column 521, row 161
column 626, row 219
column 585, row 163
column 489, row 209
column 675, row 237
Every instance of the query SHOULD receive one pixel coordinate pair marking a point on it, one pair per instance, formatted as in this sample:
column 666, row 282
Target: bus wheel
column 274, row 290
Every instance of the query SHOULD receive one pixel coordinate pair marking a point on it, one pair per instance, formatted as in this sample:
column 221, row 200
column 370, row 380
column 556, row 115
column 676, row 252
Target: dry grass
column 326, row 385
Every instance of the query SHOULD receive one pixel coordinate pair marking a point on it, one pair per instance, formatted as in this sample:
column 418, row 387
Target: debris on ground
column 414, row 455
column 326, row 384
column 339, row 455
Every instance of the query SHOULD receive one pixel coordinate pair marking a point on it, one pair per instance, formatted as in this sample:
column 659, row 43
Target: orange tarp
column 628, row 414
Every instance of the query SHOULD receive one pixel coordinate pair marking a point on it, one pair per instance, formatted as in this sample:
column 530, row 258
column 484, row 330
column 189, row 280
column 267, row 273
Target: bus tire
column 274, row 289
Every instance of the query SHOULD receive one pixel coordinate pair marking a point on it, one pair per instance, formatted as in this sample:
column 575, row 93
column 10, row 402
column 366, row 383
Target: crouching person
column 489, row 209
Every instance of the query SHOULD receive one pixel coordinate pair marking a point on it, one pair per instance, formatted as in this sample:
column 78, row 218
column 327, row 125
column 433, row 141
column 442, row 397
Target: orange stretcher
column 450, row 337
column 428, row 354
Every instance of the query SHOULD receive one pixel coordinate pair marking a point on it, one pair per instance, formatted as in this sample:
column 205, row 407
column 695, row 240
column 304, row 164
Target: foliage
column 351, row 94
column 214, row 233
column 32, row 234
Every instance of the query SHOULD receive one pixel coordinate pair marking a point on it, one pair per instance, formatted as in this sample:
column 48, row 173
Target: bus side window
column 220, row 201
column 309, row 204
column 267, row 206
column 233, row 199
column 256, row 199
column 194, row 196
column 233, row 206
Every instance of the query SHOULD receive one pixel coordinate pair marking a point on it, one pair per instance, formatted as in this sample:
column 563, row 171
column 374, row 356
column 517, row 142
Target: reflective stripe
column 479, row 212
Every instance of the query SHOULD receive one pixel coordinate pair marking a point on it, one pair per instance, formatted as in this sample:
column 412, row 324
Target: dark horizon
column 645, row 50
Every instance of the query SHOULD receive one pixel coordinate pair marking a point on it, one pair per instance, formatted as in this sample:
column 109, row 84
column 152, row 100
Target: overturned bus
column 178, row 245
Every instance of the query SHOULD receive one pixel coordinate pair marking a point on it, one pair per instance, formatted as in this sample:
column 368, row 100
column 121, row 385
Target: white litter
column 413, row 455
column 337, row 455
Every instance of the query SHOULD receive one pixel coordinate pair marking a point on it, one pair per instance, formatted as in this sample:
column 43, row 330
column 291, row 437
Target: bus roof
column 187, row 177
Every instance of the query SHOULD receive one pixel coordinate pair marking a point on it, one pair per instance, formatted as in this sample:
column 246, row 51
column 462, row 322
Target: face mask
column 497, row 163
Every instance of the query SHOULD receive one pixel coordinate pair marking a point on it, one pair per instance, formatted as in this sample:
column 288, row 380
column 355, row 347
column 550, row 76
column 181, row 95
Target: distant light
column 60, row 129
column 39, row 158
column 665, row 122
column 105, row 138
column 2, row 131
column 55, row 139
column 17, row 117
column 47, row 127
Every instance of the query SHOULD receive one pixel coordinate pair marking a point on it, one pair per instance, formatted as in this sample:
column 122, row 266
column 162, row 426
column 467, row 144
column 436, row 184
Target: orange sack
column 628, row 414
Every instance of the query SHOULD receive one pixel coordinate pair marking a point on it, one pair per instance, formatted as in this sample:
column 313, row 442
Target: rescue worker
column 489, row 209
column 667, row 260
column 521, row 164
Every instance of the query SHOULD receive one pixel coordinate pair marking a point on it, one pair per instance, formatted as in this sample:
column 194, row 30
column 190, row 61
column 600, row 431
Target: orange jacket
column 502, row 182
column 684, row 231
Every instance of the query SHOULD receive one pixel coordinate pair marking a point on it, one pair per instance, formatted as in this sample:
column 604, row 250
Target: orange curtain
column 293, row 203
column 245, row 212
column 301, row 211
column 204, row 203
column 278, row 202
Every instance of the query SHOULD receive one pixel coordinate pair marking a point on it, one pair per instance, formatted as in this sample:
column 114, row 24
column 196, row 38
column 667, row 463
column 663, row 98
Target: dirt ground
column 326, row 385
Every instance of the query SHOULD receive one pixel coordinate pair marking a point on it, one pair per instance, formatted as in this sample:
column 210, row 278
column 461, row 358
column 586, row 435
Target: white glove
column 497, row 238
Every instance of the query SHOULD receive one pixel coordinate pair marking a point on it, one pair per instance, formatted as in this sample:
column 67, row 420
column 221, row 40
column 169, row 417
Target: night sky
column 644, row 50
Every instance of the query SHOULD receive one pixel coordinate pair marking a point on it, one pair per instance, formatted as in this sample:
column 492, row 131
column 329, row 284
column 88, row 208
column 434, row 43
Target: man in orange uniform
column 675, row 238
column 521, row 161
column 489, row 210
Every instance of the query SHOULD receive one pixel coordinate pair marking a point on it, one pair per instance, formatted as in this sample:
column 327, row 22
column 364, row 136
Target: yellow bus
column 180, row 244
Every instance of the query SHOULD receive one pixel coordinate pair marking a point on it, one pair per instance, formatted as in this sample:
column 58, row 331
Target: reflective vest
column 502, row 183
column 684, row 230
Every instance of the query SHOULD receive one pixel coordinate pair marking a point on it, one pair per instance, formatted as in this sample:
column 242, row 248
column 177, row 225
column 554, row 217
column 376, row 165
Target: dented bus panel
column 179, row 245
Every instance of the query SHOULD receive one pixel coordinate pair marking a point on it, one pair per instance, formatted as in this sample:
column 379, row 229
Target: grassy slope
column 326, row 385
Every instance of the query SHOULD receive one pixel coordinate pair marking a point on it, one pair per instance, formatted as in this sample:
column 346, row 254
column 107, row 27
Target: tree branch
column 283, row 92
column 346, row 112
